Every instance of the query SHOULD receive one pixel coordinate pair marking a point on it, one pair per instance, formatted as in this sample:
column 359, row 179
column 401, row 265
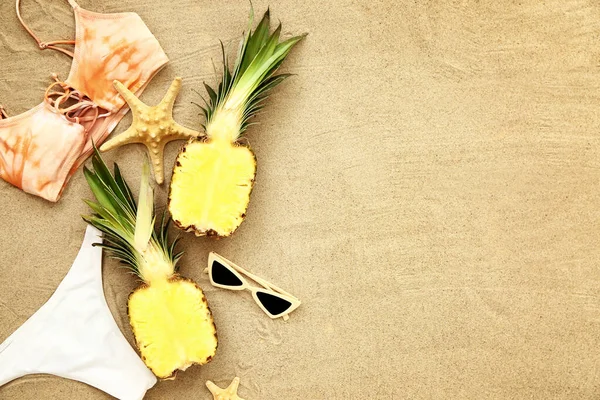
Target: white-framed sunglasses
column 275, row 302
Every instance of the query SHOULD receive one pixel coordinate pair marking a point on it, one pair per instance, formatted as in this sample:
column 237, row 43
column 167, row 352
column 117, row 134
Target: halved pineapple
column 215, row 205
column 213, row 176
column 163, row 311
column 169, row 315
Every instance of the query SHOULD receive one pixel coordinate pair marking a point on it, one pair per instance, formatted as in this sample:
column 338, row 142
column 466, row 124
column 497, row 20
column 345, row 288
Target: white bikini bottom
column 74, row 335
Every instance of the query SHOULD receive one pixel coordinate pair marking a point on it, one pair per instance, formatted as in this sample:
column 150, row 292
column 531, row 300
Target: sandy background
column 427, row 186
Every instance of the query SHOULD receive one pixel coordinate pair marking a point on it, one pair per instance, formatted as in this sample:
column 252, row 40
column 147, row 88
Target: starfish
column 152, row 126
column 225, row 394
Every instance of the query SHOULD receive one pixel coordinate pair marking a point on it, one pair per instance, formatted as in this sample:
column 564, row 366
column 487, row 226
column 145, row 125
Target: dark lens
column 273, row 303
column 223, row 276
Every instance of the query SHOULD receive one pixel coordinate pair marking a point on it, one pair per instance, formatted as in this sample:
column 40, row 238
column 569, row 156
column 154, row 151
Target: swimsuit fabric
column 41, row 148
column 74, row 335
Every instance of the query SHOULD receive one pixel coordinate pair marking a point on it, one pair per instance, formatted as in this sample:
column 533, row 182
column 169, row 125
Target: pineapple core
column 226, row 125
column 211, row 186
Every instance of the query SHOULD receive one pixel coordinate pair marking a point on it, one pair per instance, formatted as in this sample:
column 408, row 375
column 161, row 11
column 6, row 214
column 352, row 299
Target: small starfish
column 225, row 394
column 152, row 126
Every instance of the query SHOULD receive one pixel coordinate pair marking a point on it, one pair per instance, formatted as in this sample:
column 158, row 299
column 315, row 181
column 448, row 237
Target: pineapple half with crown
column 169, row 315
column 213, row 175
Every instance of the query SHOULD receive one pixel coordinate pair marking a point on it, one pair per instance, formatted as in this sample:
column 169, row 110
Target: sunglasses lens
column 223, row 276
column 273, row 303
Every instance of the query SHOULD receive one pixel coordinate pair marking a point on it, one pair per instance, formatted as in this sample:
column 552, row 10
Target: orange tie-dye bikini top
column 41, row 148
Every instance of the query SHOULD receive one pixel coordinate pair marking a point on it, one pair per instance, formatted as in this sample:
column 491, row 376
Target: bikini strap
column 46, row 45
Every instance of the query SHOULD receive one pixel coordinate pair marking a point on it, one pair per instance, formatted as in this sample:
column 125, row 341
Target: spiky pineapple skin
column 180, row 211
column 160, row 356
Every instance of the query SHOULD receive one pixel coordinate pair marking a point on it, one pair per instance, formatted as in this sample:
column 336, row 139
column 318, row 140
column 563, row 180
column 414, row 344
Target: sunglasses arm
column 261, row 281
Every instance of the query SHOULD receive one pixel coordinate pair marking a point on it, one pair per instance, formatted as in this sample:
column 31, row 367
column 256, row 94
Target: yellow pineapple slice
column 213, row 176
column 173, row 309
column 213, row 184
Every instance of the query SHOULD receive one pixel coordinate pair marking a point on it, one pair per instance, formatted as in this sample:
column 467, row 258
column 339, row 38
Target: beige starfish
column 152, row 126
column 225, row 394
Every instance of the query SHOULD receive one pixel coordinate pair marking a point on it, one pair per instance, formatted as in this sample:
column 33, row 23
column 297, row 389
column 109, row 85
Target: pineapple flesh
column 169, row 316
column 215, row 205
column 214, row 175
column 172, row 309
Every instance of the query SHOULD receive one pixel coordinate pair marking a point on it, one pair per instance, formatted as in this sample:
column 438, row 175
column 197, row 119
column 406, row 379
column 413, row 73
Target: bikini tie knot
column 74, row 105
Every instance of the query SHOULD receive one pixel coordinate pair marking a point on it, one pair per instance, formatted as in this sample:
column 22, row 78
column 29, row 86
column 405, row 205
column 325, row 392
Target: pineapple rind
column 173, row 325
column 211, row 186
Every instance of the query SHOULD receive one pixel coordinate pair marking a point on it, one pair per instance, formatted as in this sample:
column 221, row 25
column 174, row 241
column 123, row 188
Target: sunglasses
column 274, row 301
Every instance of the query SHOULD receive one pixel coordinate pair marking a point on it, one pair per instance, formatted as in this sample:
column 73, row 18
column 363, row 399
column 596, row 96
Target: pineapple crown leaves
column 128, row 229
column 245, row 89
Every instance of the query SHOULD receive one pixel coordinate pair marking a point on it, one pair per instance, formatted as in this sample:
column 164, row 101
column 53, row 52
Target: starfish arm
column 156, row 151
column 169, row 99
column 214, row 389
column 234, row 385
column 129, row 136
column 183, row 132
column 134, row 103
